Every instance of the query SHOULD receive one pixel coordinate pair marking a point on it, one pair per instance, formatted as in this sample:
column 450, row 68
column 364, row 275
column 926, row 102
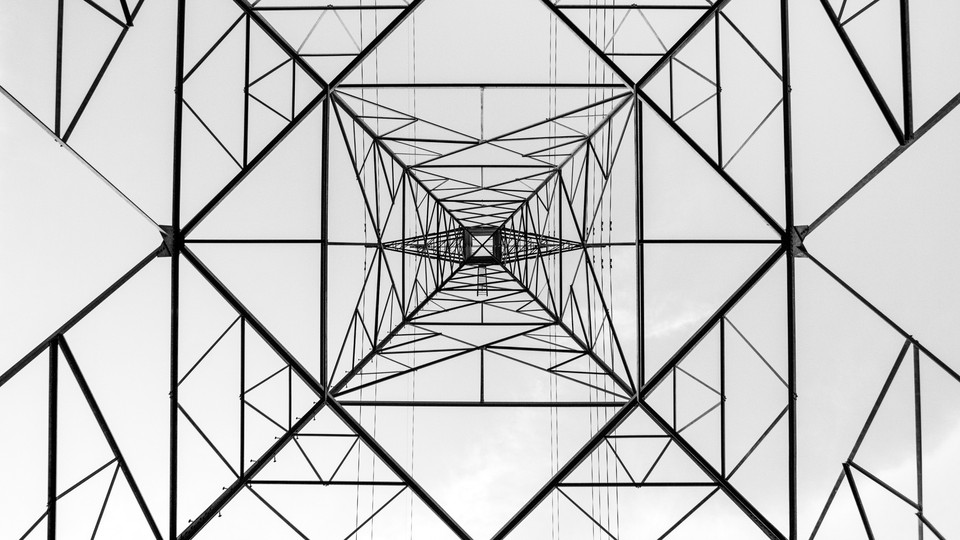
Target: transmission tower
column 478, row 269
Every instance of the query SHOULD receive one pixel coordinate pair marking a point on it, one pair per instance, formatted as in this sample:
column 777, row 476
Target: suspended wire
column 363, row 292
column 413, row 397
column 554, row 390
column 591, row 377
column 612, row 299
column 376, row 387
column 605, row 279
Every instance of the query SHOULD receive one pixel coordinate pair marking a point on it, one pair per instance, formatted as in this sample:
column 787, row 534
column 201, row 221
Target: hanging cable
column 363, row 300
column 376, row 172
column 554, row 390
column 413, row 410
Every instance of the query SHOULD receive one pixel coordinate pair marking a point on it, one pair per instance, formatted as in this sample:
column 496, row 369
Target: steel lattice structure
column 376, row 265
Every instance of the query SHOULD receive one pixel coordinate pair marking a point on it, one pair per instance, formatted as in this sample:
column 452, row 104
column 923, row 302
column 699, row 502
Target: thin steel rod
column 77, row 317
column 885, row 318
column 864, row 73
column 906, row 63
column 108, row 435
column 254, row 323
column 129, row 17
column 176, row 244
column 325, row 241
column 863, row 434
column 58, row 90
column 918, row 435
column 765, row 525
column 337, row 388
column 80, row 158
column 709, row 324
column 885, row 162
column 692, row 32
column 762, row 212
column 885, row 486
column 53, row 391
column 397, row 470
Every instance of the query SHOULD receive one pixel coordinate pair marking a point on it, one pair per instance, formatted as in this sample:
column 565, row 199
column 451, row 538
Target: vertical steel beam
column 930, row 526
column 324, row 240
column 907, row 76
column 638, row 237
column 128, row 24
column 233, row 489
column 723, row 397
column 791, row 258
column 173, row 383
column 243, row 395
column 918, row 433
column 175, row 265
column 58, row 92
column 246, row 91
column 716, row 30
column 52, row 394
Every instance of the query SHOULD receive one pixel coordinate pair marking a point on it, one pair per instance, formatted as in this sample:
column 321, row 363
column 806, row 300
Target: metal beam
column 709, row 324
column 767, row 527
column 53, row 392
column 77, row 317
column 383, row 342
column 791, row 257
column 108, row 435
column 885, row 162
column 254, row 323
column 864, row 73
column 395, row 467
column 233, row 489
column 564, row 471
column 682, row 42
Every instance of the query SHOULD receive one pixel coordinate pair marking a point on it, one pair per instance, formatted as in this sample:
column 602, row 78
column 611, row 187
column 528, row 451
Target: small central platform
column 481, row 245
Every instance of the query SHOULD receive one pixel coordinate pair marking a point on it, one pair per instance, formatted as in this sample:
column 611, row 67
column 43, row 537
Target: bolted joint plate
column 797, row 234
column 169, row 238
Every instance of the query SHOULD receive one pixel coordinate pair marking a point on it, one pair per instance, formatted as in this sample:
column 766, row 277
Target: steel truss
column 481, row 251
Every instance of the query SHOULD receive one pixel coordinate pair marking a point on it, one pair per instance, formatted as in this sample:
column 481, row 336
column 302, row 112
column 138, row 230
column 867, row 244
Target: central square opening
column 481, row 245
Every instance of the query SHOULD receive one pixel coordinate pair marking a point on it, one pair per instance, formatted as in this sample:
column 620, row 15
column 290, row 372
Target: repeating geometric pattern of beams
column 464, row 269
